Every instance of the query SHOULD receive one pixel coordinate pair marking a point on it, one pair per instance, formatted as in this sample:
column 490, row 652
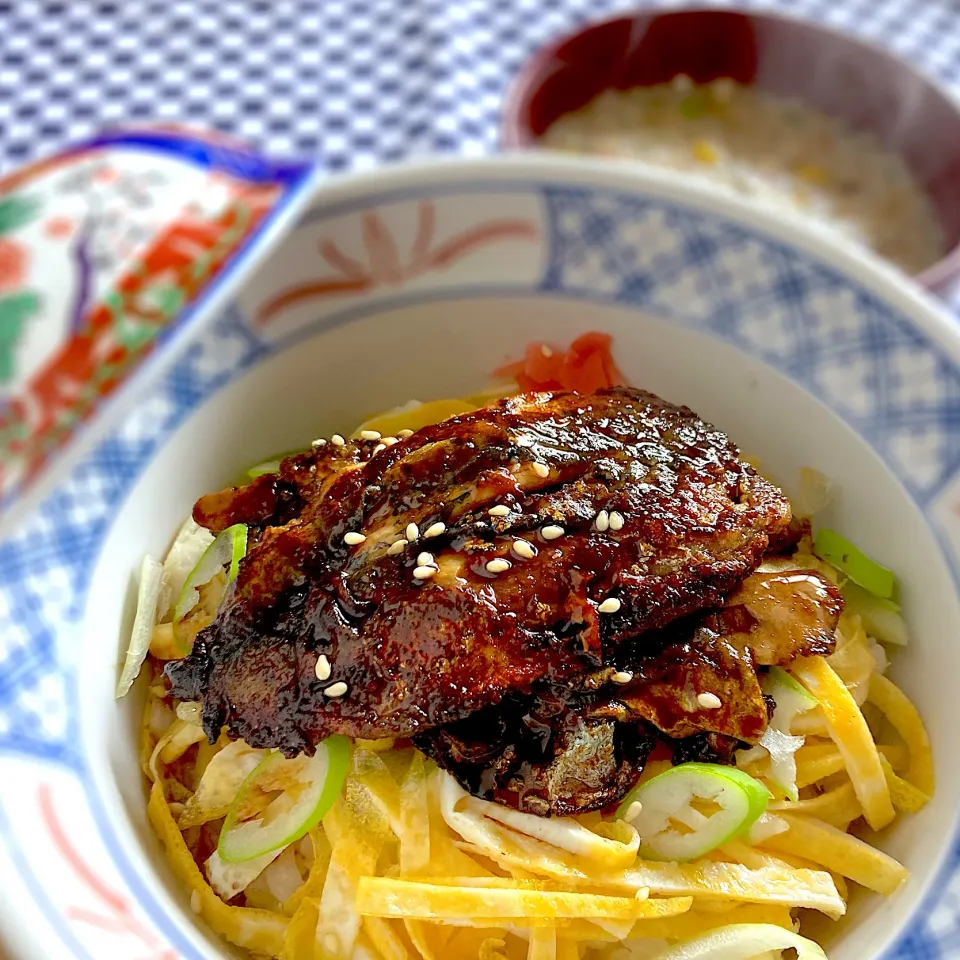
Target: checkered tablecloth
column 356, row 82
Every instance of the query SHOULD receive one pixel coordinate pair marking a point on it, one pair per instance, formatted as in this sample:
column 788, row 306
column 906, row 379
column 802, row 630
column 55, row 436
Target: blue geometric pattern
column 684, row 265
column 353, row 83
column 787, row 309
column 45, row 568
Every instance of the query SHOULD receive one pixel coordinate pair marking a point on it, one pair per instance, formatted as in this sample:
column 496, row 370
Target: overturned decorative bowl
column 418, row 282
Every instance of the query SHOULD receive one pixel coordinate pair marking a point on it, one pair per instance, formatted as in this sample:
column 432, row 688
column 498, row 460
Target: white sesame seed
column 551, row 532
column 378, row 448
column 610, row 605
column 634, row 811
column 616, row 521
column 337, row 440
column 390, row 441
column 195, row 903
column 524, row 549
column 352, row 538
column 413, row 532
column 403, row 434
column 398, row 547
column 541, row 470
column 524, row 442
column 323, row 667
column 424, row 573
column 602, row 521
column 546, row 351
column 337, row 689
column 319, row 442
column 621, row 676
column 425, row 559
column 435, row 529
column 370, row 434
column 500, row 510
column 709, row 701
column 498, row 565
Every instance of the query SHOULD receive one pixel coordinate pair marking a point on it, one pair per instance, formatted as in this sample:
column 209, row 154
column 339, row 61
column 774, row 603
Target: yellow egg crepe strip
column 385, row 939
column 897, row 755
column 813, row 889
column 355, row 851
column 543, row 943
column 421, row 935
column 390, row 897
column 732, row 881
column 414, row 822
column 816, row 761
column 841, row 852
column 310, row 892
column 696, row 921
column 567, row 949
column 261, row 931
column 301, row 935
column 852, row 736
column 413, row 416
column 905, row 795
column 619, row 849
column 737, row 851
column 838, row 807
column 371, row 773
column 897, row 707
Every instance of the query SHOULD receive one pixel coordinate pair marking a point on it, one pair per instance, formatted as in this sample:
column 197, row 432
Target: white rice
column 777, row 152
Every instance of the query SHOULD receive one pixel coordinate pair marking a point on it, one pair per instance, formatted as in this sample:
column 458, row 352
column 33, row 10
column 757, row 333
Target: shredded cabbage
column 743, row 941
column 148, row 593
column 220, row 783
column 189, row 546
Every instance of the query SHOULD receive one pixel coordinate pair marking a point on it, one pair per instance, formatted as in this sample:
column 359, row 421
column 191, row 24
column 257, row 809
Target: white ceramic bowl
column 416, row 283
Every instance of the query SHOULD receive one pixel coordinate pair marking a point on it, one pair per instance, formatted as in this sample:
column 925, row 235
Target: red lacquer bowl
column 865, row 86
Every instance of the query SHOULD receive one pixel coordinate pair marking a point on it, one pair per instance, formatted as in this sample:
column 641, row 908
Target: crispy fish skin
column 416, row 653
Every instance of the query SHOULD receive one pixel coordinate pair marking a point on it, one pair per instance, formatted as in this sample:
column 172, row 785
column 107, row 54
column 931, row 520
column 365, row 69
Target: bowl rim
column 514, row 132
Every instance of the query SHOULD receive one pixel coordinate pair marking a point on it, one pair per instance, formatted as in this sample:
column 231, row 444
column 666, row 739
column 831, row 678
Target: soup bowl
column 417, row 283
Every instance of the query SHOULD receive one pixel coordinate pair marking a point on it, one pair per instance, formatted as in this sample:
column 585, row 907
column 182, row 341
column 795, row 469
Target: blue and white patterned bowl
column 415, row 283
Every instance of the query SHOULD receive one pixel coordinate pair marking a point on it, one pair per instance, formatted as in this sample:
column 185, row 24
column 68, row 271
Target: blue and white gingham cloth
column 354, row 82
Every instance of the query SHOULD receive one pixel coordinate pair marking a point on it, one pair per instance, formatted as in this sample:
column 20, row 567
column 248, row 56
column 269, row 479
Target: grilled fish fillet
column 517, row 545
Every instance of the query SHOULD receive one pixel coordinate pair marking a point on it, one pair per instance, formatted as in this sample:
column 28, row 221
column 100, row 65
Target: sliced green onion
column 791, row 696
column 694, row 808
column 880, row 617
column 148, row 592
column 791, row 699
column 830, row 546
column 308, row 787
column 268, row 466
column 741, row 941
column 229, row 548
column 183, row 555
column 226, row 552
